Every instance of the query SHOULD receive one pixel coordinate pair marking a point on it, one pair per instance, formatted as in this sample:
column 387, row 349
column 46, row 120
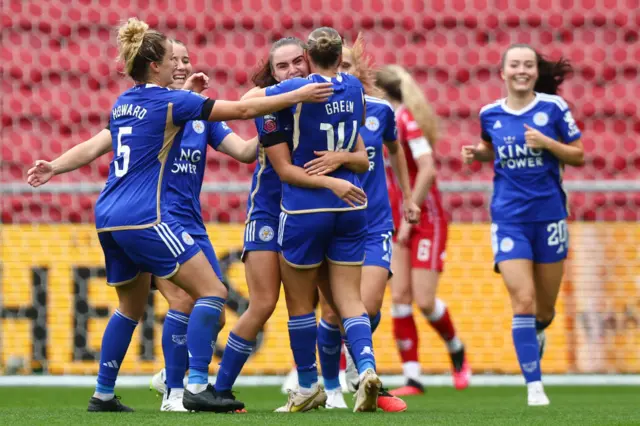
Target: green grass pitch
column 597, row 405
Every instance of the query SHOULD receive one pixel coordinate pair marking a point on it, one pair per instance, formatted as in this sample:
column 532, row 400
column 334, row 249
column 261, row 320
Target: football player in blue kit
column 378, row 131
column 323, row 218
column 260, row 250
column 529, row 135
column 138, row 234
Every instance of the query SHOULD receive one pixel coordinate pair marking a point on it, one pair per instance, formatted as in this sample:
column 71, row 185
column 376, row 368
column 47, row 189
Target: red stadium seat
column 62, row 80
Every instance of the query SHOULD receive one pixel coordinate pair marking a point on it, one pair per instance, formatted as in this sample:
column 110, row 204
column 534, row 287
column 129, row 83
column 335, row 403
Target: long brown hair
column 263, row 76
column 398, row 84
column 363, row 65
column 551, row 74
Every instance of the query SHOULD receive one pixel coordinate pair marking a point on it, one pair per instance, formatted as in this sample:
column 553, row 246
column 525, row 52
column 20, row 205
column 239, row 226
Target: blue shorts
column 205, row 245
column 540, row 242
column 159, row 249
column 307, row 239
column 260, row 235
column 378, row 249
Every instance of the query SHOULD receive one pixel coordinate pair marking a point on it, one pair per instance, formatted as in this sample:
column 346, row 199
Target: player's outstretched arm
column 80, row 155
column 251, row 108
column 328, row 161
column 280, row 159
column 242, row 150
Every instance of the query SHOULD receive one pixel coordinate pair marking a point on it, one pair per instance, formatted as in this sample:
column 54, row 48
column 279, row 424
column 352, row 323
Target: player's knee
column 133, row 309
column 545, row 316
column 426, row 305
column 373, row 303
column 523, row 303
column 401, row 297
column 330, row 316
column 215, row 290
column 262, row 307
column 181, row 302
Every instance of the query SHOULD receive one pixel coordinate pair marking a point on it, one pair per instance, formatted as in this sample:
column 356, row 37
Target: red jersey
column 413, row 143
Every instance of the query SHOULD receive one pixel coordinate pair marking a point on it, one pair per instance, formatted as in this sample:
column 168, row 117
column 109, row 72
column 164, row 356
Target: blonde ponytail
column 138, row 46
column 398, row 84
column 364, row 68
column 130, row 38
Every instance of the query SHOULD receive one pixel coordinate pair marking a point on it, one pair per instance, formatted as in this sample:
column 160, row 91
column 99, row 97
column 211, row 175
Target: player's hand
column 535, row 139
column 348, row 192
column 315, row 92
column 404, row 232
column 40, row 173
column 411, row 211
column 327, row 162
column 197, row 82
column 468, row 153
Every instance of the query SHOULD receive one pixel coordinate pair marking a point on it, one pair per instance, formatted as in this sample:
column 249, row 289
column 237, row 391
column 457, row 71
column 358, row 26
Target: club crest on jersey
column 506, row 245
column 198, row 126
column 188, row 239
column 372, row 123
column 540, row 119
column 269, row 124
column 266, row 233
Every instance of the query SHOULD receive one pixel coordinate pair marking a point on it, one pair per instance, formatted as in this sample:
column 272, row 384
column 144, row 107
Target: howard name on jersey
column 146, row 126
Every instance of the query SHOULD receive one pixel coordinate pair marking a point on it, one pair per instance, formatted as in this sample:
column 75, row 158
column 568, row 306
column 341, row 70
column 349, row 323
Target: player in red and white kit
column 418, row 250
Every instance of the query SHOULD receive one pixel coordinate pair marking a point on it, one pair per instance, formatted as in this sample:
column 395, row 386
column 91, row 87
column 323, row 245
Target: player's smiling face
column 520, row 70
column 346, row 65
column 183, row 66
column 164, row 70
column 288, row 62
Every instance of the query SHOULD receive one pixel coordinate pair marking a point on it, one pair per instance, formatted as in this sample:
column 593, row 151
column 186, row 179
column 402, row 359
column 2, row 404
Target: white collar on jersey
column 533, row 103
column 148, row 85
column 337, row 77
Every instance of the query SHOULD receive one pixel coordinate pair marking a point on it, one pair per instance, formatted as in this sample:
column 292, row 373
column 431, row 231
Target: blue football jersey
column 527, row 182
column 330, row 126
column 266, row 187
column 187, row 168
column 379, row 127
column 146, row 126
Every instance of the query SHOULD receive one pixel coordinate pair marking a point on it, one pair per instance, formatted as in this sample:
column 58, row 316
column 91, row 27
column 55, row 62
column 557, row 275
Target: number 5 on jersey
column 123, row 152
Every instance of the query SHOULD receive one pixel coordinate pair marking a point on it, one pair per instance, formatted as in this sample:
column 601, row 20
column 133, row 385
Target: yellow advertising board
column 55, row 305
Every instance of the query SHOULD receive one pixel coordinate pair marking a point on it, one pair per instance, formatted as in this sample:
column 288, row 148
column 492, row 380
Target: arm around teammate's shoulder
column 251, row 108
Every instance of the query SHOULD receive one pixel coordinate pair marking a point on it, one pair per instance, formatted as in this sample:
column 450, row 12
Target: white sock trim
column 438, row 311
column 401, row 311
column 412, row 370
